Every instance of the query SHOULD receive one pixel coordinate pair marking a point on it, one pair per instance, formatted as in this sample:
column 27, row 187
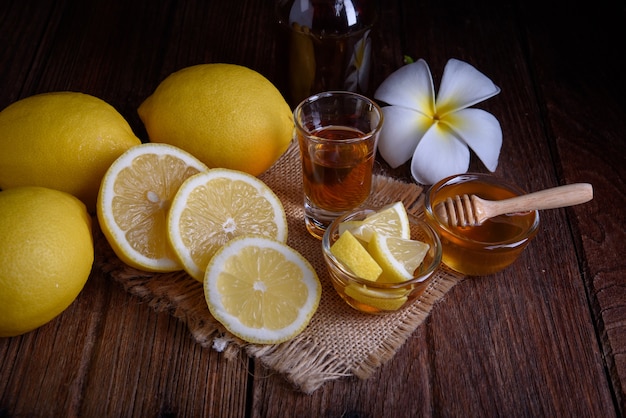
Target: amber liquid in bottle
column 329, row 45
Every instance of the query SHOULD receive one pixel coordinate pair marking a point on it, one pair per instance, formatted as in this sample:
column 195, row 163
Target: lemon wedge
column 398, row 257
column 389, row 300
column 349, row 251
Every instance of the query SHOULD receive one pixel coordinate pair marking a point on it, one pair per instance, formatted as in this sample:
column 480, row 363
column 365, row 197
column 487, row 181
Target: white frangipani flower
column 436, row 132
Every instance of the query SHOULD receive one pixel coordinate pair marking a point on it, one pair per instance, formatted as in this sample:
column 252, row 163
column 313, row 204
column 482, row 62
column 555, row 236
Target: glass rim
column 338, row 93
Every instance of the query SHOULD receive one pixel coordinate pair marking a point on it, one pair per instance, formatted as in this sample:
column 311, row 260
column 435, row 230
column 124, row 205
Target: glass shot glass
column 337, row 132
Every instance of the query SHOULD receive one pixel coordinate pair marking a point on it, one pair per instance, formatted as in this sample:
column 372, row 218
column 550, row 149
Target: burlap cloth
column 339, row 340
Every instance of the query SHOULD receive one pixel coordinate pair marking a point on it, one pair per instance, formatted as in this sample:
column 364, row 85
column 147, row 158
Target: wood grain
column 545, row 337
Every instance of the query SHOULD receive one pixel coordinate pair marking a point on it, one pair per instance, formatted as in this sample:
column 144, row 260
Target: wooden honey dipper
column 470, row 210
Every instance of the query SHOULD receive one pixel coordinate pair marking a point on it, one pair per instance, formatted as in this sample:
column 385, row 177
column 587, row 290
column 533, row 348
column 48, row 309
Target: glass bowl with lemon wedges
column 380, row 260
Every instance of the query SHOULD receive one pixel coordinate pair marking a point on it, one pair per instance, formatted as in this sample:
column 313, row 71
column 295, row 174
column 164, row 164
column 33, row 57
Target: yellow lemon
column 261, row 290
column 46, row 255
column 61, row 140
column 134, row 201
column 228, row 116
column 215, row 206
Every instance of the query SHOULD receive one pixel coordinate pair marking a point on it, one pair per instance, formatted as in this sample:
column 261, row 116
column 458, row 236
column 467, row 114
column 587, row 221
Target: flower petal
column 462, row 86
column 481, row 131
column 402, row 130
column 439, row 154
column 410, row 86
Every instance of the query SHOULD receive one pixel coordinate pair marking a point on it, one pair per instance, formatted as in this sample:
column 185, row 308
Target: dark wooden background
column 544, row 338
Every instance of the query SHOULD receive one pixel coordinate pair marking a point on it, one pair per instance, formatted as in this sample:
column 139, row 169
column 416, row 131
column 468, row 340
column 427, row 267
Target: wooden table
column 546, row 337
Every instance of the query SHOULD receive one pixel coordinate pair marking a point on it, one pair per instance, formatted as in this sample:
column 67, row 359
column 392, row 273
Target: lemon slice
column 390, row 220
column 349, row 251
column 398, row 257
column 133, row 201
column 215, row 206
column 261, row 290
column 384, row 301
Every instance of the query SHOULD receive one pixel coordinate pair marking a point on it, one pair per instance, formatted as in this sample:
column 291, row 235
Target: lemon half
column 134, row 200
column 215, row 206
column 261, row 290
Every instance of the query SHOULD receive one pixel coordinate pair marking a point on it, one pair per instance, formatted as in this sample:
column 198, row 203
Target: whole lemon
column 46, row 255
column 61, row 140
column 226, row 115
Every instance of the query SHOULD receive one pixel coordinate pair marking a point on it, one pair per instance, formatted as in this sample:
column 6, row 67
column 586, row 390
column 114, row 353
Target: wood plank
column 24, row 30
column 519, row 343
column 580, row 68
column 159, row 369
column 47, row 367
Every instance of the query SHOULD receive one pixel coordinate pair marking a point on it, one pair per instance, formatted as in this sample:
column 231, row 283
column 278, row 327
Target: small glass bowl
column 490, row 247
column 373, row 297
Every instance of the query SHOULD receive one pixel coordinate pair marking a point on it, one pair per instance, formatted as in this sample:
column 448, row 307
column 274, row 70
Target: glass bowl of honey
column 486, row 248
column 379, row 297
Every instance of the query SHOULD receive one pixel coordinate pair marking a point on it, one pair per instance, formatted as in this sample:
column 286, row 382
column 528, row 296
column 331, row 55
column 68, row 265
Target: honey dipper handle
column 555, row 197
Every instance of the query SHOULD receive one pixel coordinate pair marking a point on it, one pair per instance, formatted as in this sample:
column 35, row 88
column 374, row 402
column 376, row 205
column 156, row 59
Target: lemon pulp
column 134, row 199
column 215, row 206
column 261, row 290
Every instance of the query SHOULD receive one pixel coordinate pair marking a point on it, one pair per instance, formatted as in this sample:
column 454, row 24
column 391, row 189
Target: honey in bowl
column 486, row 248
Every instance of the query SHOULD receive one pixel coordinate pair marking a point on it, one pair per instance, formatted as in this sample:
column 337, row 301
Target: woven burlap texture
column 339, row 340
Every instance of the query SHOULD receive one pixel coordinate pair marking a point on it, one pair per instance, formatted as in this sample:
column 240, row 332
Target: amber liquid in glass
column 338, row 173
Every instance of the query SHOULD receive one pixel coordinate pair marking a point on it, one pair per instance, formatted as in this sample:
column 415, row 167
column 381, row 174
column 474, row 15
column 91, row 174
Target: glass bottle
column 330, row 44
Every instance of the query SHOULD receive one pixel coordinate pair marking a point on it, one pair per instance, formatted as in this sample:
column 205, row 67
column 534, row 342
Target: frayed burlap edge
column 325, row 350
